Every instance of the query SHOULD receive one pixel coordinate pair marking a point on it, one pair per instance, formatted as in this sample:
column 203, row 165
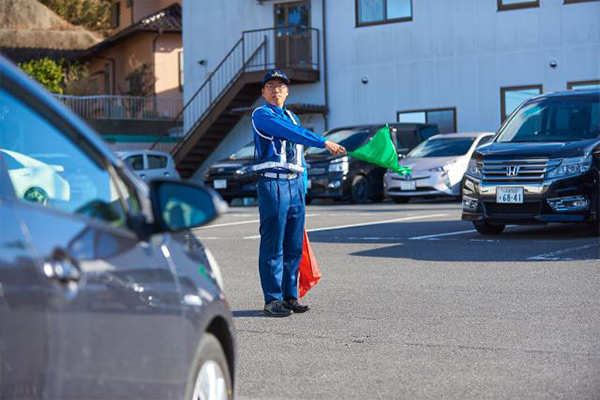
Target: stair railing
column 256, row 50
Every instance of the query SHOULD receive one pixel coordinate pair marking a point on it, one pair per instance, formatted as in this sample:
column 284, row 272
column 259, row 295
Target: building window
column 577, row 1
column 504, row 5
column 115, row 15
column 444, row 118
column 583, row 85
column 181, row 71
column 373, row 12
column 512, row 97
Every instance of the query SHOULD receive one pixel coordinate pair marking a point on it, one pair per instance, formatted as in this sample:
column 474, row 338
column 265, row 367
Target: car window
column 554, row 120
column 11, row 163
column 484, row 140
column 136, row 163
column 246, row 152
column 406, row 140
column 155, row 162
column 351, row 139
column 56, row 172
column 444, row 147
column 428, row 132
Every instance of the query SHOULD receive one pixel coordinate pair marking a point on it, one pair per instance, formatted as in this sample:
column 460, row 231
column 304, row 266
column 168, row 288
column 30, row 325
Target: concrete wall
column 452, row 54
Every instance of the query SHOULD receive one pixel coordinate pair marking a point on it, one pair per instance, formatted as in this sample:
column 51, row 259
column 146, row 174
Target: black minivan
column 343, row 177
column 542, row 166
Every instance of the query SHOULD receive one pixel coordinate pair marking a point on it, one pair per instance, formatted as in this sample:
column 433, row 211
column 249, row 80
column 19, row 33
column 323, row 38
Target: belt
column 276, row 175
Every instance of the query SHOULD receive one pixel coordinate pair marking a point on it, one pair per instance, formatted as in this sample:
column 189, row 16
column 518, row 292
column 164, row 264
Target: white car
column 438, row 167
column 34, row 180
column 148, row 164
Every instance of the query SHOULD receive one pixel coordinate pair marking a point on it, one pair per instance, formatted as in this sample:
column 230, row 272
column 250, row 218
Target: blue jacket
column 279, row 140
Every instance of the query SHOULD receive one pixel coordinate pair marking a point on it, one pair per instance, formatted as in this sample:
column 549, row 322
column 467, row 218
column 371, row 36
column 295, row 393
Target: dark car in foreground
column 231, row 177
column 543, row 166
column 104, row 294
column 345, row 178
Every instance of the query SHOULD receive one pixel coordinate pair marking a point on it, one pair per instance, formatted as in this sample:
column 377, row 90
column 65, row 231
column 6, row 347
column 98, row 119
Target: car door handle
column 167, row 174
column 143, row 176
column 63, row 271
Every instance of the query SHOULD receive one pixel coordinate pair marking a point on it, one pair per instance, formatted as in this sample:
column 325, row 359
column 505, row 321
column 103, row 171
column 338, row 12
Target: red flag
column 309, row 274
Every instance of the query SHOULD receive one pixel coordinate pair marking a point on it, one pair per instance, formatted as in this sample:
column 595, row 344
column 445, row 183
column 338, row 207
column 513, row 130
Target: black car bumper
column 563, row 200
column 235, row 187
column 333, row 185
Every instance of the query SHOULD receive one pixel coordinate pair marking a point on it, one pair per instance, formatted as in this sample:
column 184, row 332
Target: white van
column 148, row 164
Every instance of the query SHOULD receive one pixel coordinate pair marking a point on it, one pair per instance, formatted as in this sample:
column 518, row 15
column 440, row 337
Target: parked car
column 343, row 177
column 231, row 177
column 438, row 166
column 34, row 180
column 110, row 296
column 149, row 164
column 543, row 166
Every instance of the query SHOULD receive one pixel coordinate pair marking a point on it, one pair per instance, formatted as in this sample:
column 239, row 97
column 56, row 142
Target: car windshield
column 443, row 147
column 554, row 120
column 245, row 152
column 351, row 139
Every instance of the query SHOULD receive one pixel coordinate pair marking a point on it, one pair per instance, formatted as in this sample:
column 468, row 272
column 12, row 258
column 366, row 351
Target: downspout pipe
column 325, row 83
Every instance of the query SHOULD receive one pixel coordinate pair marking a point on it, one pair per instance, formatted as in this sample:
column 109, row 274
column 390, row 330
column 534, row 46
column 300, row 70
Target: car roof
column 569, row 94
column 11, row 73
column 462, row 135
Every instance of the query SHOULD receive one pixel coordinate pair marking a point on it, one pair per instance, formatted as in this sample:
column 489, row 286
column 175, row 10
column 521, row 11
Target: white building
column 463, row 64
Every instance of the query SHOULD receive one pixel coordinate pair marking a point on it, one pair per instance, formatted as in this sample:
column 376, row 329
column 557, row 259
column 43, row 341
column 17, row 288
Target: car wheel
column 36, row 195
column 212, row 381
column 359, row 191
column 487, row 229
column 401, row 200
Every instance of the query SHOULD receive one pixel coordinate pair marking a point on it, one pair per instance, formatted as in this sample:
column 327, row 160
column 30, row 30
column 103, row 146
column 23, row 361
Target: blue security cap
column 275, row 74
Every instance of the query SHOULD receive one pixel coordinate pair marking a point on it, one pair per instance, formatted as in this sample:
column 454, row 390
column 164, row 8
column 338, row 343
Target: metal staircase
column 207, row 117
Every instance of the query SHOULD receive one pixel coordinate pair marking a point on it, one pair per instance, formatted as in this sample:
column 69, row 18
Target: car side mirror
column 181, row 205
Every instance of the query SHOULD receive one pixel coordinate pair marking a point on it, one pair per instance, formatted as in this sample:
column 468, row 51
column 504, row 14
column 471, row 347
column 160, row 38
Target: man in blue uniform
column 280, row 142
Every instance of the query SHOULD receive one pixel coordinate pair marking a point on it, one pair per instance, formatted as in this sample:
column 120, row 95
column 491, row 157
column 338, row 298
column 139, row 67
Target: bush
column 47, row 72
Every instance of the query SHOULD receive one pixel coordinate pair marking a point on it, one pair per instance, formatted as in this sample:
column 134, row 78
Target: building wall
column 452, row 54
column 129, row 54
column 166, row 65
column 457, row 54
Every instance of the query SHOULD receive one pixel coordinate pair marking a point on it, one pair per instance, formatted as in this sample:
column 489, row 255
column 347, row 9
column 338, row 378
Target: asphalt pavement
column 415, row 304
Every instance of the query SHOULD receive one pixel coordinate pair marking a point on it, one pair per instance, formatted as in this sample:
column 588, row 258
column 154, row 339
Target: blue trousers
column 281, row 205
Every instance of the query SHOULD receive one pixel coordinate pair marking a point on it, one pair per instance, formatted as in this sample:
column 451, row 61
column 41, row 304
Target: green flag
column 380, row 150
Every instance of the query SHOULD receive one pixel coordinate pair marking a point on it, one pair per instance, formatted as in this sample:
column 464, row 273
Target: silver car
column 438, row 167
column 148, row 164
column 104, row 294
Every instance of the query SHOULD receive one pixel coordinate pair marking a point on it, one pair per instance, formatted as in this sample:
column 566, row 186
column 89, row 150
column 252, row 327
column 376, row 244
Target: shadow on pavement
column 410, row 240
column 249, row 314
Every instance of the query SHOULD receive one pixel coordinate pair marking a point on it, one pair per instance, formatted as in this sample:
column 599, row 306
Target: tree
column 93, row 14
column 47, row 72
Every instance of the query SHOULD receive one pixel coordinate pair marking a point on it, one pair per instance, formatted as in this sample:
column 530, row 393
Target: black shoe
column 275, row 309
column 293, row 305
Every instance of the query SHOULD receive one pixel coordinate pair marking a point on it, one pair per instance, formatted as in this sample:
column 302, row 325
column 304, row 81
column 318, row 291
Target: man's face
column 275, row 92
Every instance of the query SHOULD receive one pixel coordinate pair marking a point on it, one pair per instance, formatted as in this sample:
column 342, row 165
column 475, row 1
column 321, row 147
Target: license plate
column 408, row 185
column 220, row 184
column 309, row 184
column 509, row 195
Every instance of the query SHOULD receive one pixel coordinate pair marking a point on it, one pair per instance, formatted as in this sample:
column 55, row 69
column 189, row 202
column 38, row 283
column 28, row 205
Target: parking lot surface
column 415, row 304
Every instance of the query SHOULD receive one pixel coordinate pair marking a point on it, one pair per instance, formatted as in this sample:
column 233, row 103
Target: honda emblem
column 513, row 170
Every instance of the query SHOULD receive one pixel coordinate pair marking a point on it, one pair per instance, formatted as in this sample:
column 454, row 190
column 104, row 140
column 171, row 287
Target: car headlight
column 473, row 169
column 443, row 168
column 572, row 166
column 214, row 267
column 339, row 165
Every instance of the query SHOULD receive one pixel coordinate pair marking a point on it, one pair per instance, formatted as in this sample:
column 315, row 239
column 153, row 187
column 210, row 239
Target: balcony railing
column 124, row 107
